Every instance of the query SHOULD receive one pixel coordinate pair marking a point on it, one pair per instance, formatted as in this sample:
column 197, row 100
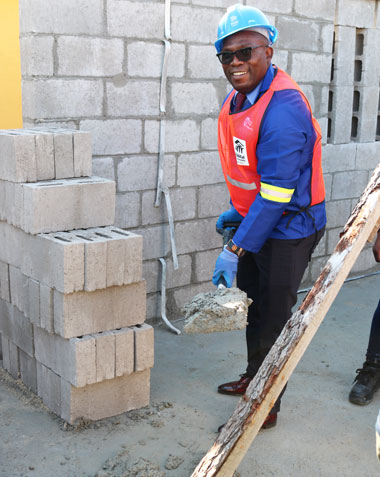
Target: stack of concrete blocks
column 72, row 298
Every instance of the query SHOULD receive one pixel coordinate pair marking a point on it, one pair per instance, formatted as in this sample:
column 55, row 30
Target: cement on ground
column 319, row 433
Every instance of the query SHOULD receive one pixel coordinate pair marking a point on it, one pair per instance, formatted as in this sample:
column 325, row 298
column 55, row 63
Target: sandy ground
column 319, row 433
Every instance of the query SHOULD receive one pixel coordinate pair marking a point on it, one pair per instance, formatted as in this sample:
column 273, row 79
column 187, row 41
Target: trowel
column 224, row 309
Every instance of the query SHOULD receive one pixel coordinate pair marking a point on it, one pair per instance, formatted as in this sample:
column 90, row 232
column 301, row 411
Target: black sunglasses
column 244, row 54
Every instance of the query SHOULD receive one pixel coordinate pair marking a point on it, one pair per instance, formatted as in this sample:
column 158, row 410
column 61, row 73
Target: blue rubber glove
column 231, row 215
column 225, row 268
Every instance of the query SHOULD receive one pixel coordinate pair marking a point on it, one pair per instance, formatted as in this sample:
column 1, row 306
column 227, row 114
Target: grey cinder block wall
column 96, row 65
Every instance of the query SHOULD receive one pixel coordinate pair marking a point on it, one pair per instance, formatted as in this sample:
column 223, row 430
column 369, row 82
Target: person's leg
column 281, row 265
column 367, row 381
column 373, row 350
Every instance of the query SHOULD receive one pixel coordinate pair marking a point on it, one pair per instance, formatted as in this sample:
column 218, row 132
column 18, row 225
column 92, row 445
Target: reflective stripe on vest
column 242, row 185
column 237, row 139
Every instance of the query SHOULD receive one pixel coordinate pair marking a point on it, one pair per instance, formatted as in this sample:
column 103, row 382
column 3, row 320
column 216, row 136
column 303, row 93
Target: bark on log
column 237, row 435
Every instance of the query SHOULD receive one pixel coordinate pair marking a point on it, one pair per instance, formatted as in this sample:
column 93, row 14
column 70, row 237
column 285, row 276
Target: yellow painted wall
column 10, row 70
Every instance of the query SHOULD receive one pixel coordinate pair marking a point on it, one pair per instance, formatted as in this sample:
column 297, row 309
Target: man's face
column 246, row 75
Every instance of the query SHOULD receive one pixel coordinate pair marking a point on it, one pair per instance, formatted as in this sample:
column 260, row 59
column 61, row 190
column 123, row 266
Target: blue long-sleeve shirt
column 284, row 152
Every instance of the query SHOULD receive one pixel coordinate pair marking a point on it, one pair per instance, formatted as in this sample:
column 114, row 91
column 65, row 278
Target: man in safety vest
column 270, row 151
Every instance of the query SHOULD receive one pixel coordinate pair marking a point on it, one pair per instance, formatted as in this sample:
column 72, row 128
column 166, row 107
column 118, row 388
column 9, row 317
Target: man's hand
column 225, row 268
column 231, row 215
column 376, row 247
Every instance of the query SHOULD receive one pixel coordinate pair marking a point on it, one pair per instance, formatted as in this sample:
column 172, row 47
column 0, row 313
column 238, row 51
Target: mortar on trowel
column 224, row 309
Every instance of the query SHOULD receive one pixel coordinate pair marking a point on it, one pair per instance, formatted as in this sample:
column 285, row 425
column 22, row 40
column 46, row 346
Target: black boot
column 366, row 383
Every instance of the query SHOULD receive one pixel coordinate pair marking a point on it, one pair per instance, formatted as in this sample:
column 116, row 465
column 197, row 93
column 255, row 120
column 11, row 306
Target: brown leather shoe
column 269, row 422
column 235, row 388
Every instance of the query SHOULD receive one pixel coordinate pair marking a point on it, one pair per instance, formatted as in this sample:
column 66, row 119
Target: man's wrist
column 232, row 247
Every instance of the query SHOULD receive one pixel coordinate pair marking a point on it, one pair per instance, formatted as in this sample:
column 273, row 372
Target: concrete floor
column 319, row 433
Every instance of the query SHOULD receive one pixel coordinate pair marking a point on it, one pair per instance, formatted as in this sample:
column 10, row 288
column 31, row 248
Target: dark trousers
column 271, row 278
column 373, row 350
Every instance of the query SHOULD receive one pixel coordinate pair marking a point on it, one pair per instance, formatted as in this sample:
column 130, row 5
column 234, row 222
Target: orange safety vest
column 238, row 134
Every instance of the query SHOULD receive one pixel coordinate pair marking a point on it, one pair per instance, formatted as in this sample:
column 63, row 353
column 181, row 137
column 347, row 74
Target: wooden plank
column 237, row 435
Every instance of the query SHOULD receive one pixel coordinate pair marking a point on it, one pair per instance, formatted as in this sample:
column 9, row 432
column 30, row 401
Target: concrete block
column 180, row 136
column 19, row 288
column 276, row 6
column 75, row 17
column 310, row 9
column 178, row 297
column 153, row 307
column 298, row 34
column 152, row 272
column 338, row 212
column 82, row 313
column 17, row 152
column 309, row 68
column 104, row 57
column 112, row 257
column 114, row 136
column 1, row 350
column 13, row 244
column 124, row 351
column 367, row 155
column 199, row 169
column 196, row 236
column 369, row 101
column 54, row 261
column 5, row 351
column 51, row 206
column 344, row 57
column 348, row 185
column 328, row 185
column 137, row 97
column 156, row 241
column 37, row 55
column 183, row 202
column 339, row 157
column 357, row 13
column 62, row 98
column 49, row 388
column 188, row 23
column 105, row 399
column 143, row 62
column 370, row 60
column 16, row 327
column 342, row 114
column 46, row 308
column 4, row 282
column 45, row 163
column 63, row 155
column 104, row 167
column 119, row 11
column 204, row 264
column 95, row 259
column 28, row 370
column 144, row 347
column 14, row 363
column 194, row 98
column 33, row 302
column 82, row 154
column 105, row 352
column 209, row 133
column 128, row 208
column 202, row 62
column 140, row 173
column 74, row 359
column 213, row 200
column 327, row 37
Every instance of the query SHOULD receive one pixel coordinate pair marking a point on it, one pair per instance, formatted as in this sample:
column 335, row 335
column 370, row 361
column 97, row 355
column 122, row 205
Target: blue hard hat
column 240, row 17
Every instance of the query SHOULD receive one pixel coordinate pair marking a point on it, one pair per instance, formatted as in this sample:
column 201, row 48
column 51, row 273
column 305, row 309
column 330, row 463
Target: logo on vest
column 240, row 151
